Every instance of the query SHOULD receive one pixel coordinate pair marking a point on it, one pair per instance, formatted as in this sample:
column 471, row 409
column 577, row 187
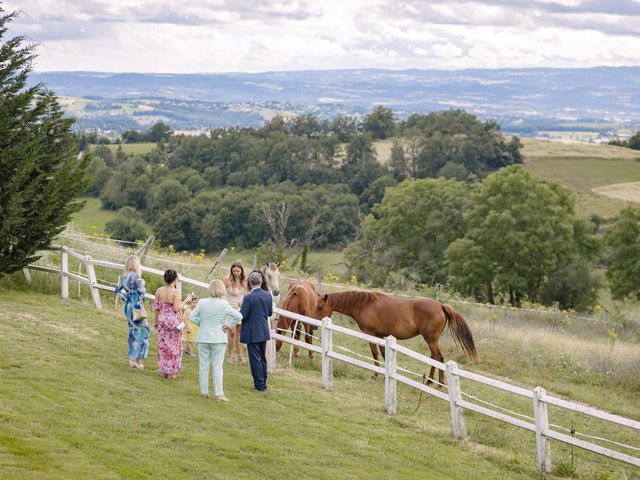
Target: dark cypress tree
column 41, row 171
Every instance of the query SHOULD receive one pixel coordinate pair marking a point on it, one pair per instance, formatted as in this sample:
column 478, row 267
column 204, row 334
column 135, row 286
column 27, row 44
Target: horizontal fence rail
column 538, row 423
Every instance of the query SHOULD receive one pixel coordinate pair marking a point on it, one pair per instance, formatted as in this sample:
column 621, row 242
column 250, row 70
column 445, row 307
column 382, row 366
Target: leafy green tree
column 38, row 157
column 634, row 141
column 178, row 226
column 99, row 174
column 128, row 225
column 127, row 186
column 344, row 127
column 519, row 232
column 105, row 153
column 398, row 163
column 409, row 231
column 457, row 137
column 623, row 237
column 159, row 132
column 361, row 166
column 380, row 123
column 453, row 170
column 374, row 193
column 167, row 195
column 574, row 285
column 132, row 136
column 309, row 126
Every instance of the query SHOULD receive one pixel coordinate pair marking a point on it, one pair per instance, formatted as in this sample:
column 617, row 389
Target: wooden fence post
column 390, row 390
column 179, row 287
column 27, row 274
column 93, row 281
column 64, row 270
column 542, row 423
column 453, row 385
column 271, row 347
column 327, row 346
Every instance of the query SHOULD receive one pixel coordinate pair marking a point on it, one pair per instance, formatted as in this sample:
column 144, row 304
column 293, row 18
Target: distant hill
column 524, row 101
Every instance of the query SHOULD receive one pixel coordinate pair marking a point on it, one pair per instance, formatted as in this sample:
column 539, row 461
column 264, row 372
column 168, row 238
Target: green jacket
column 211, row 314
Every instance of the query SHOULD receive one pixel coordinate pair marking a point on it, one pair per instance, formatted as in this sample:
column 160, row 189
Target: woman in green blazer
column 215, row 317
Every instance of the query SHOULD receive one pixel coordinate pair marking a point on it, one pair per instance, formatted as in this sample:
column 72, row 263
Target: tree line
column 317, row 177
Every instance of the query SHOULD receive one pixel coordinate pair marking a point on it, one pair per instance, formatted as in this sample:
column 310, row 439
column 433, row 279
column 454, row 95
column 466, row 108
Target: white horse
column 271, row 274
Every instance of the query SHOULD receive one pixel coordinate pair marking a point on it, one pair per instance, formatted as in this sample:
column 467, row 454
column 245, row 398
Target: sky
column 198, row 36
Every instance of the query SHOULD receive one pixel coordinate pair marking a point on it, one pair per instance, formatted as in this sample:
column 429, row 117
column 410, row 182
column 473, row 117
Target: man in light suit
column 256, row 309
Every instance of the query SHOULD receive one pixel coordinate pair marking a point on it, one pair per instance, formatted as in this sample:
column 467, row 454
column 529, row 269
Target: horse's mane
column 352, row 299
column 302, row 292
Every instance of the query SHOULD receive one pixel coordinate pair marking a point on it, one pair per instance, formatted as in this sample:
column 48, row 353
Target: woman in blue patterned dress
column 130, row 289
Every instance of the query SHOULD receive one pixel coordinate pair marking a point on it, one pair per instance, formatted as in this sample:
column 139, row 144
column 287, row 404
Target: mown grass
column 71, row 408
column 71, row 357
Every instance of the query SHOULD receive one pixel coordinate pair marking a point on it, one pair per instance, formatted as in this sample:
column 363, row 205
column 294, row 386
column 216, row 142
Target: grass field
column 92, row 218
column 131, row 148
column 586, row 169
column 71, row 408
column 104, row 420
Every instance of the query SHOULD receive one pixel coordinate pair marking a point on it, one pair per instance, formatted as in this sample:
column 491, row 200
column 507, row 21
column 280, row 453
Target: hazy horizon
column 133, row 72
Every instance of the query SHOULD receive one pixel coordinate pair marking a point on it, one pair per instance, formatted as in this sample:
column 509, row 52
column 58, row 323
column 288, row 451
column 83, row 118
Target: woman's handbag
column 139, row 313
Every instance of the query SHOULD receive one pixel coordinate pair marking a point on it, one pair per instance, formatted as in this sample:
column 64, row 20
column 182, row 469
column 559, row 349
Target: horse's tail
column 460, row 332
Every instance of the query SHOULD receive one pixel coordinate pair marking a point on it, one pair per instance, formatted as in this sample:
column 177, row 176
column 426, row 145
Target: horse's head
column 271, row 274
column 323, row 307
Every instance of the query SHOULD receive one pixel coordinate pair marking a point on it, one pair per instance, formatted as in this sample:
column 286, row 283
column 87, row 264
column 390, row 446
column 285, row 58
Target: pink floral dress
column 169, row 339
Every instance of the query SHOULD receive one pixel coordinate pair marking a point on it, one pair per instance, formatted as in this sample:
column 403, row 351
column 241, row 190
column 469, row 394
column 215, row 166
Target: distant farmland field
column 586, row 169
column 132, row 148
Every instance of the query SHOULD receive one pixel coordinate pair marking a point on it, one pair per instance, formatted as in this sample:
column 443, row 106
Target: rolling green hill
column 72, row 408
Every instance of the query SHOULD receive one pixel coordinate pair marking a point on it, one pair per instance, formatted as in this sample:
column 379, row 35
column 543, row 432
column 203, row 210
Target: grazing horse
column 302, row 299
column 271, row 274
column 379, row 315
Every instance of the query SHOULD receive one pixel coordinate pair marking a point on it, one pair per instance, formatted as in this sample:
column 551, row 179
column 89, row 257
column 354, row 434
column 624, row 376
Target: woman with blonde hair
column 236, row 290
column 130, row 289
column 215, row 317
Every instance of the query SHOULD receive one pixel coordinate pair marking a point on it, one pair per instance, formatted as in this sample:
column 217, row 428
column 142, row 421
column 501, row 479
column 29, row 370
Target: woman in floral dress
column 167, row 307
column 130, row 289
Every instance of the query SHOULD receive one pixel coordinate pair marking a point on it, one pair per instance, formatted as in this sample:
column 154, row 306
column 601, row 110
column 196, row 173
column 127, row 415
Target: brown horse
column 302, row 299
column 379, row 315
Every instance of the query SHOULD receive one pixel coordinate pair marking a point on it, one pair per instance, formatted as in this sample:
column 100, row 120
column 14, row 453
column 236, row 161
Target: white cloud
column 259, row 35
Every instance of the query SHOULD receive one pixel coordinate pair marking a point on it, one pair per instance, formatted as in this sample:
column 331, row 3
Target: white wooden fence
column 540, row 399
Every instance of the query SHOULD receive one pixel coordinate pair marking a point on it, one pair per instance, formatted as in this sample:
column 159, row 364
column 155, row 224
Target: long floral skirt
column 138, row 335
column 169, row 343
